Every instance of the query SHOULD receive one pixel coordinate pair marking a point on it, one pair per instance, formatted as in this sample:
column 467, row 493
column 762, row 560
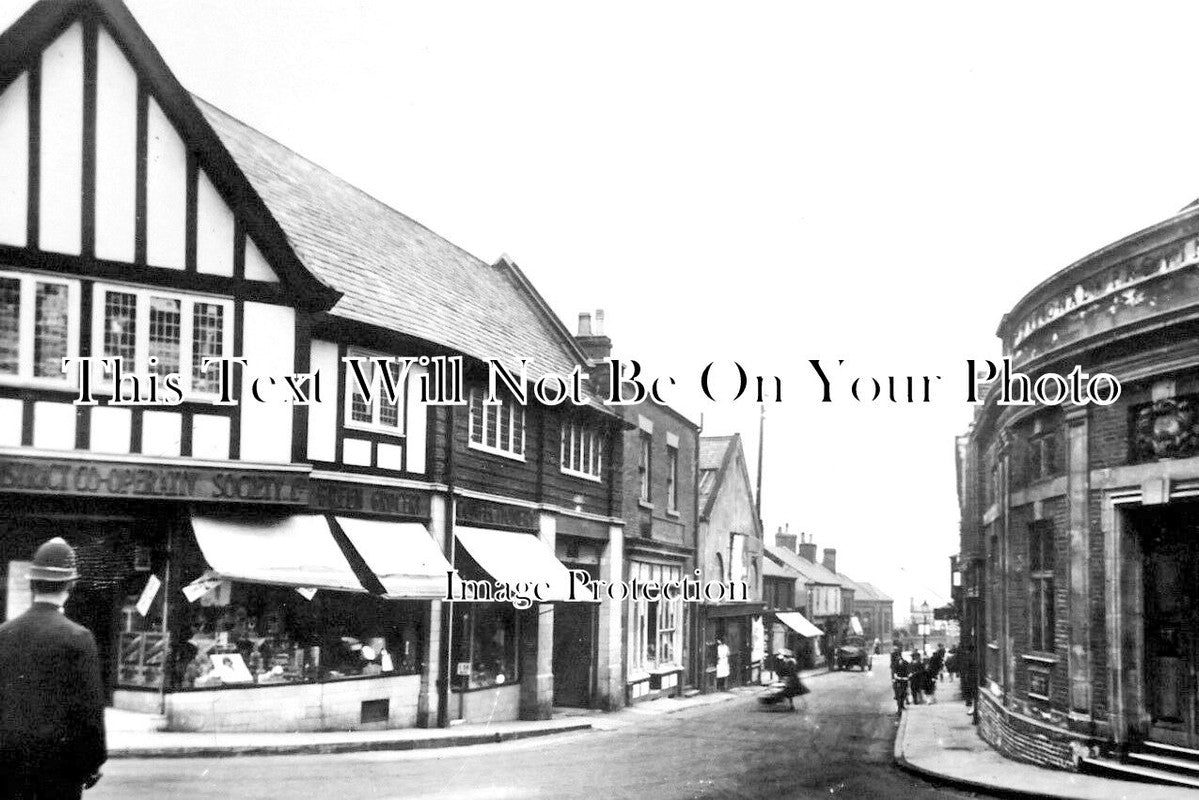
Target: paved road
column 840, row 746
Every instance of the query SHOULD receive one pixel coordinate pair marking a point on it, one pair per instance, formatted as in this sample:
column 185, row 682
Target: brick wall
column 1021, row 740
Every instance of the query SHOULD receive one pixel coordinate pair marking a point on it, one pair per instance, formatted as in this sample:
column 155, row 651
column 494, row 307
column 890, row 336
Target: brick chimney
column 830, row 559
column 786, row 540
column 596, row 346
column 807, row 550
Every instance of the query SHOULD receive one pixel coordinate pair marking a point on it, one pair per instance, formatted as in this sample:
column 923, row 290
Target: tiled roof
column 712, row 450
column 707, row 482
column 772, row 570
column 812, row 573
column 873, row 593
column 394, row 272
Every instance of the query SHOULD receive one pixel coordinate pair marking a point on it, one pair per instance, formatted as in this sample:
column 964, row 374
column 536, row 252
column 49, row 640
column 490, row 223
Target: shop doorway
column 574, row 654
column 1170, row 562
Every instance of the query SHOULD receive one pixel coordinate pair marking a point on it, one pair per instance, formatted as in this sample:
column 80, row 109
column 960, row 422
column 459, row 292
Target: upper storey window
column 497, row 427
column 177, row 331
column 382, row 412
column 39, row 327
column 582, row 451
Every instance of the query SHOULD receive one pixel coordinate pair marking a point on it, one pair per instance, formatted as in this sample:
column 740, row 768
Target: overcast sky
column 767, row 183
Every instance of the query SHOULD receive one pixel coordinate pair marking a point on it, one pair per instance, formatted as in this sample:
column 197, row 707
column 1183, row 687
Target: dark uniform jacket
column 51, row 698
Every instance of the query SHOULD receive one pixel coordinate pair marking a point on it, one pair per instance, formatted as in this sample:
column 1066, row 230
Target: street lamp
column 924, row 609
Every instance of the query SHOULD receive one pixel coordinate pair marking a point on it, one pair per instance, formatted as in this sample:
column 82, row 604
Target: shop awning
column 402, row 555
column 855, row 625
column 294, row 551
column 798, row 623
column 513, row 558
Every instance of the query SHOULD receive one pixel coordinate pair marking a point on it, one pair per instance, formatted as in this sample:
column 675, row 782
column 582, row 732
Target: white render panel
column 116, row 152
column 210, row 437
column 162, row 433
column 270, row 351
column 166, row 192
column 53, row 426
column 322, row 416
column 110, row 429
column 11, row 411
column 61, row 179
column 417, row 421
column 256, row 267
column 357, row 452
column 214, row 230
column 14, row 162
column 391, row 456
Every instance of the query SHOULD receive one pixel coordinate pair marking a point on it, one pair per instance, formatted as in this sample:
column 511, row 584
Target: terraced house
column 275, row 564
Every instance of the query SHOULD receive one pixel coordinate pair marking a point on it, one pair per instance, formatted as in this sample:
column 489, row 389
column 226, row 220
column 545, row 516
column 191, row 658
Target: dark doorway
column 574, row 653
column 1170, row 548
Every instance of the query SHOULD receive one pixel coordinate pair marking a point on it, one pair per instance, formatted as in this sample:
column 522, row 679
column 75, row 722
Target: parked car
column 852, row 653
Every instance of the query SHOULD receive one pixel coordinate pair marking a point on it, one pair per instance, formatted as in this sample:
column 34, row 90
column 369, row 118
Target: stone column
column 537, row 645
column 609, row 662
column 1078, row 495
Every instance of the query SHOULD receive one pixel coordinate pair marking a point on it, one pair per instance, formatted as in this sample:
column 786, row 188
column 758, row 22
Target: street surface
column 840, row 746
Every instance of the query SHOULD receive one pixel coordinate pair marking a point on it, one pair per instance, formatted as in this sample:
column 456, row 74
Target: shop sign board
column 484, row 514
column 62, row 476
column 346, row 496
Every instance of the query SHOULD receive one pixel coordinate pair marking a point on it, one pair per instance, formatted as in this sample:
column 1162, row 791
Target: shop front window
column 485, row 636
column 655, row 626
column 240, row 634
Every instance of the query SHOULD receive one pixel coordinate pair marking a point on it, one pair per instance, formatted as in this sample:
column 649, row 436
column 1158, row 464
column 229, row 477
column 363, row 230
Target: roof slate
column 712, row 450
column 394, row 272
column 813, row 573
column 873, row 593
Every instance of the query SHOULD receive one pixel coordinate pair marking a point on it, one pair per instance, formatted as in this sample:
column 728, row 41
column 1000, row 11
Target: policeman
column 52, row 740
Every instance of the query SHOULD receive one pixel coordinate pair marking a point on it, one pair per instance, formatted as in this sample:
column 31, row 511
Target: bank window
column 582, row 451
column 177, row 330
column 1041, row 561
column 497, row 427
column 645, row 466
column 485, row 637
column 39, row 327
column 655, row 626
column 672, row 479
column 240, row 634
column 384, row 411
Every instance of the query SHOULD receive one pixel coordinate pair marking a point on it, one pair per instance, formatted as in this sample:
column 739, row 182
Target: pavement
column 940, row 742
column 136, row 736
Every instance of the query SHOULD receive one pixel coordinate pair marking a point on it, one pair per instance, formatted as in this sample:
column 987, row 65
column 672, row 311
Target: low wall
column 336, row 705
column 501, row 704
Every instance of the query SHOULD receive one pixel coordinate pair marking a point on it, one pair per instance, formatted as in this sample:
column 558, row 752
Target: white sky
column 770, row 183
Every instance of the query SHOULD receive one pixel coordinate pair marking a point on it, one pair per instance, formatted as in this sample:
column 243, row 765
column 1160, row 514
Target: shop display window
column 241, row 634
column 485, row 637
column 655, row 626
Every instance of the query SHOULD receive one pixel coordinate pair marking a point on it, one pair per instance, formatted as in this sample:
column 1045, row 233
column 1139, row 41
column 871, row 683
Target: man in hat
column 52, row 739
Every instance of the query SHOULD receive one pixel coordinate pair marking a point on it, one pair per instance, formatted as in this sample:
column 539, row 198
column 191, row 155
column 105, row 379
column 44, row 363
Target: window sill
column 363, row 427
column 648, row 506
column 583, row 475
column 1035, row 696
column 495, row 451
column 672, row 513
column 1040, row 658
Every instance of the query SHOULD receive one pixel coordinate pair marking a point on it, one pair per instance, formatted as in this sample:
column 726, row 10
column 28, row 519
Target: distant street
column 840, row 746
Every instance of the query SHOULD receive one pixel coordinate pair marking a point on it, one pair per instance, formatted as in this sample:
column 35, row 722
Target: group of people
column 916, row 677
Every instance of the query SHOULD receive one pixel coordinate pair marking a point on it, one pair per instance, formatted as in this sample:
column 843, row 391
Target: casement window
column 655, row 626
column 497, row 428
column 379, row 414
column 672, row 478
column 582, row 451
column 1040, row 563
column 39, row 327
column 645, row 466
column 178, row 330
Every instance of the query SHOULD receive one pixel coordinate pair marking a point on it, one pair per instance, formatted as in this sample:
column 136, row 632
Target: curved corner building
column 1080, row 524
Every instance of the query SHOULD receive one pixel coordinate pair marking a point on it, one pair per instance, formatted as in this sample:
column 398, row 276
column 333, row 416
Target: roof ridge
column 333, row 175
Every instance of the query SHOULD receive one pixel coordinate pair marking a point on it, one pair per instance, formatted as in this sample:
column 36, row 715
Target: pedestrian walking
column 936, row 663
column 916, row 680
column 969, row 666
column 52, row 740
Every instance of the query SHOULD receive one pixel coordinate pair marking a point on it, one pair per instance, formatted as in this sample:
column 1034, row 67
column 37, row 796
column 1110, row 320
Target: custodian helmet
column 54, row 561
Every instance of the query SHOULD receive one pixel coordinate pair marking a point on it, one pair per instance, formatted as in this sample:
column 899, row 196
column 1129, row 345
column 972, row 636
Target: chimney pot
column 599, row 322
column 584, row 324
